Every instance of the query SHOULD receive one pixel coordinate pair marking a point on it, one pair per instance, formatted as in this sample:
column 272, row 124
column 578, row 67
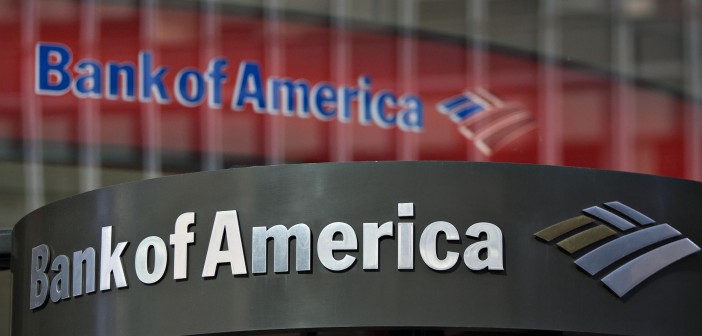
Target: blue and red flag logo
column 486, row 120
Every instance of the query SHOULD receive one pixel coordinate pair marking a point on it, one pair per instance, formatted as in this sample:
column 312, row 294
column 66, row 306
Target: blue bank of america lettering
column 62, row 278
column 56, row 74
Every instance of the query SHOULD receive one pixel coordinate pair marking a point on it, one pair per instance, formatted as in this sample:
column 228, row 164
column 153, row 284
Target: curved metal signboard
column 372, row 245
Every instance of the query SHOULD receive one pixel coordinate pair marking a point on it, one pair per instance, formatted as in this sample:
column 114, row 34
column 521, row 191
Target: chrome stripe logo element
column 641, row 248
column 486, row 120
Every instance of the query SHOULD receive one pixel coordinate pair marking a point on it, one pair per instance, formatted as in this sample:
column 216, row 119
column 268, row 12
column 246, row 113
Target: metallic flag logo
column 640, row 247
column 486, row 120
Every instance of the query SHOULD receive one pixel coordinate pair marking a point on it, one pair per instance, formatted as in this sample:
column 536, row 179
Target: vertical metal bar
column 211, row 118
column 623, row 122
column 693, row 55
column 274, row 129
column 550, row 87
column 89, row 109
column 407, row 147
column 477, row 15
column 341, row 133
column 150, row 111
column 31, row 110
column 377, row 11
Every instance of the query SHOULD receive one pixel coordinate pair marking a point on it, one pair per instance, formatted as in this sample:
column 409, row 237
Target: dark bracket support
column 5, row 249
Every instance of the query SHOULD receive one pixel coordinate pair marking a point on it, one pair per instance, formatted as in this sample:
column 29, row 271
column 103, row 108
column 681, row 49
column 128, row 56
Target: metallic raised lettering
column 281, row 239
column 326, row 245
column 111, row 261
column 39, row 286
column 371, row 241
column 141, row 260
column 492, row 244
column 180, row 240
column 226, row 222
column 427, row 245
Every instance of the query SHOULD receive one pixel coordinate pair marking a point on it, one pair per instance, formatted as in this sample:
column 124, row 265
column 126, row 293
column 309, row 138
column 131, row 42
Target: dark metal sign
column 440, row 245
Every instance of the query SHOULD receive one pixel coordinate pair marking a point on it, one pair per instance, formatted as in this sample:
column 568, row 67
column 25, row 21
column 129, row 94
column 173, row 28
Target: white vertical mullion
column 31, row 110
column 550, row 87
column 341, row 133
column 623, row 121
column 211, row 118
column 407, row 144
column 150, row 111
column 477, row 15
column 274, row 129
column 89, row 108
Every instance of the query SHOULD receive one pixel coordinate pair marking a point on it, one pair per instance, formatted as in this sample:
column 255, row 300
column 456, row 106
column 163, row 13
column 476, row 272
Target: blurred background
column 602, row 84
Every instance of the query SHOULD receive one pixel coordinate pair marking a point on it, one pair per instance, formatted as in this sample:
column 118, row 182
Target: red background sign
column 580, row 117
